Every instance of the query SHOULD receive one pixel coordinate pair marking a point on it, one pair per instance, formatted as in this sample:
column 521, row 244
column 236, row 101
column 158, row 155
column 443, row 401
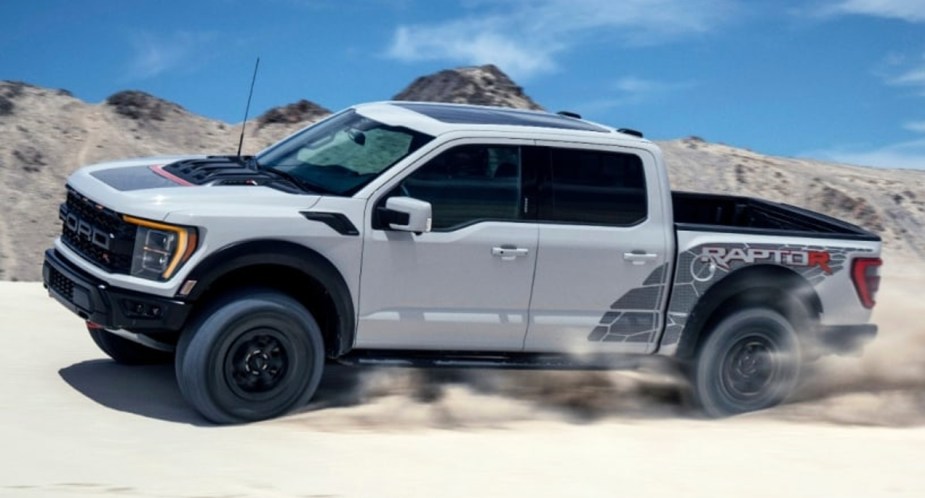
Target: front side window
column 468, row 184
column 595, row 187
column 342, row 154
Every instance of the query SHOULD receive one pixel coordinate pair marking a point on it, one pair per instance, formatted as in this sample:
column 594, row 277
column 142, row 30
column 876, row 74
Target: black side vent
column 337, row 221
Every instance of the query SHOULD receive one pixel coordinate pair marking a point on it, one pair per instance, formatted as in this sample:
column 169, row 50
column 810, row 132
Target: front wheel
column 252, row 356
column 750, row 361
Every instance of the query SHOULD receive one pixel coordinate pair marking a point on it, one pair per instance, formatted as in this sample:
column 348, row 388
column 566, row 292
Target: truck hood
column 152, row 187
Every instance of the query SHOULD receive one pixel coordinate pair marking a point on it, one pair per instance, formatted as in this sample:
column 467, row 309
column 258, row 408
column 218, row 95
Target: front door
column 466, row 284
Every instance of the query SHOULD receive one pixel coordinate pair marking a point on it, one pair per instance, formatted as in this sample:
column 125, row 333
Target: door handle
column 509, row 253
column 639, row 257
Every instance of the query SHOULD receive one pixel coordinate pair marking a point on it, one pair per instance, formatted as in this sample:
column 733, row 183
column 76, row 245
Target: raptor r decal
column 701, row 267
column 723, row 256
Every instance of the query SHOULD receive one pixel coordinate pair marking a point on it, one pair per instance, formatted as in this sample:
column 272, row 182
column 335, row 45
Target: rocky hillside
column 888, row 202
column 482, row 85
column 45, row 134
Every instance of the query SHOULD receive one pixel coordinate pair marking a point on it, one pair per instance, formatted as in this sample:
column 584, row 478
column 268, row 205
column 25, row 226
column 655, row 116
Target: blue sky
column 830, row 79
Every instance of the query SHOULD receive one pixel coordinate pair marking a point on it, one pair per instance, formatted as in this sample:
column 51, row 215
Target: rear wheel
column 127, row 352
column 750, row 361
column 252, row 356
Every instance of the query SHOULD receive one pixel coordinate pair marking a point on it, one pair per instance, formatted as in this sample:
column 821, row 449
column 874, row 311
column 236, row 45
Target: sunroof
column 494, row 116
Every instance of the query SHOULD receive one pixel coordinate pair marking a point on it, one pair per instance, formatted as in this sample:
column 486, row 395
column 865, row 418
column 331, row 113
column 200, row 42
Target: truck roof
column 437, row 118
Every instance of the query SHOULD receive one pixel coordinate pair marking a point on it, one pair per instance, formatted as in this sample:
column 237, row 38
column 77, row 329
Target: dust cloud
column 886, row 385
column 883, row 387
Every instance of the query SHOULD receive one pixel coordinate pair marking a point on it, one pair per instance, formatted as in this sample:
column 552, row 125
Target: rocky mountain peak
column 297, row 112
column 480, row 85
column 11, row 91
column 141, row 106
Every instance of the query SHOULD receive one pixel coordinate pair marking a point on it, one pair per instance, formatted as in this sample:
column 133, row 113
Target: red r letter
column 820, row 259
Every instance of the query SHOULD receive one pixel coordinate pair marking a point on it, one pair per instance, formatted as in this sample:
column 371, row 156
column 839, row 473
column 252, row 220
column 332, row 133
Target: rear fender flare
column 745, row 283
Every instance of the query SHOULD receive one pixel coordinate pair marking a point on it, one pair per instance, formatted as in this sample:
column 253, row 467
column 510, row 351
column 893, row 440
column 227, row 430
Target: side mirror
column 407, row 214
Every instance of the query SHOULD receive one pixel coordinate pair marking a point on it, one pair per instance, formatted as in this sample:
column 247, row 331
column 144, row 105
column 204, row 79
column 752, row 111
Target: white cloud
column 914, row 77
column 470, row 42
column 907, row 10
column 910, row 154
column 900, row 71
column 632, row 90
column 897, row 70
column 524, row 37
column 643, row 88
column 154, row 54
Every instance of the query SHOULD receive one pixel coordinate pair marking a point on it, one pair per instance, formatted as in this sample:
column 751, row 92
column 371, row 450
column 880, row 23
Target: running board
column 521, row 361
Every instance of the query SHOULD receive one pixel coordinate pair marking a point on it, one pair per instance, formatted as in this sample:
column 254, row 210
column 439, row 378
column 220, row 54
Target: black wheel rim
column 749, row 368
column 257, row 363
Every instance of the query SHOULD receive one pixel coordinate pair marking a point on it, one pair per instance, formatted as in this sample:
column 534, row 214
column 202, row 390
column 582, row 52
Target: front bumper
column 110, row 307
column 846, row 339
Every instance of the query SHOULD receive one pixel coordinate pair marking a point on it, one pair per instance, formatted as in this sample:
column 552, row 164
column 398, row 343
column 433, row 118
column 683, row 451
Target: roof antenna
column 248, row 107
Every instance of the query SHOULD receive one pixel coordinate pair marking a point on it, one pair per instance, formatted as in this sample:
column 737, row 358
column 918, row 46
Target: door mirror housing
column 407, row 214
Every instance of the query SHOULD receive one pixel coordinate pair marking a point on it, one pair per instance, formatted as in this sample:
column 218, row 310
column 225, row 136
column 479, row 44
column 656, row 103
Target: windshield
column 341, row 154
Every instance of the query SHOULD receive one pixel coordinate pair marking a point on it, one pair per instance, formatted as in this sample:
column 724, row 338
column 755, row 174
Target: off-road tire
column 252, row 355
column 749, row 361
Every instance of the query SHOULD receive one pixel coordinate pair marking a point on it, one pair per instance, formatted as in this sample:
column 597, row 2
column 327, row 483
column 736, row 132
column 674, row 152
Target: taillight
column 865, row 273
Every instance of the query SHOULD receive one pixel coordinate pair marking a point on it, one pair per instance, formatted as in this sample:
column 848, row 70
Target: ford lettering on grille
column 97, row 233
column 84, row 229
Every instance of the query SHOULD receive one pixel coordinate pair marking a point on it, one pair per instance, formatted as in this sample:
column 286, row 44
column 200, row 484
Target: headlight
column 160, row 249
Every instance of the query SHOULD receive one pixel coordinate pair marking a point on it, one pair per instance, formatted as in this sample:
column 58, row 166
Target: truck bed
column 727, row 213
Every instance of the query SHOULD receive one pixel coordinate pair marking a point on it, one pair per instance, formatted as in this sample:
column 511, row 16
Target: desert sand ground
column 74, row 424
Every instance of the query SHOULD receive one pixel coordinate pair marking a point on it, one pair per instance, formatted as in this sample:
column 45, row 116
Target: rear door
column 466, row 284
column 602, row 274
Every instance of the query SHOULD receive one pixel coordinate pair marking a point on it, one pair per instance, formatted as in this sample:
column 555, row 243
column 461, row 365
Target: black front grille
column 99, row 234
column 61, row 284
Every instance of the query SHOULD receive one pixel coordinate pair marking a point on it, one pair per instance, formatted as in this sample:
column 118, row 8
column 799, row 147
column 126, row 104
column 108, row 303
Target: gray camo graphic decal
column 634, row 317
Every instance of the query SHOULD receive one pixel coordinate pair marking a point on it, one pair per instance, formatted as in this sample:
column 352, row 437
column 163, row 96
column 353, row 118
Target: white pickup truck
column 429, row 234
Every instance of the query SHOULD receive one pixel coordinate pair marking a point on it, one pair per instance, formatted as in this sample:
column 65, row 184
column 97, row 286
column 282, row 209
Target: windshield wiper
column 298, row 181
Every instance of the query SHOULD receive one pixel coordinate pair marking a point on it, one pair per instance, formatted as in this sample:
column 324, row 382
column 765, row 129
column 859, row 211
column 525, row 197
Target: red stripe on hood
column 159, row 170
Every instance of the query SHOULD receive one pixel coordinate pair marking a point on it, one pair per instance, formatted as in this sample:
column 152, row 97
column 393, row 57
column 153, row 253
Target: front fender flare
column 285, row 254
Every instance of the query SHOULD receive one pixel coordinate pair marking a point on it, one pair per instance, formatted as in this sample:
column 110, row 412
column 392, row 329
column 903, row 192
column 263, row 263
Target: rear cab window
column 593, row 187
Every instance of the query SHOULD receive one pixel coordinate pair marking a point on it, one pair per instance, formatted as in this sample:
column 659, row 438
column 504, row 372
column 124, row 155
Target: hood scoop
column 221, row 171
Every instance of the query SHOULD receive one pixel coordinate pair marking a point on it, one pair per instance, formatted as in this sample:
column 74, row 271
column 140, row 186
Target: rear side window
column 584, row 186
